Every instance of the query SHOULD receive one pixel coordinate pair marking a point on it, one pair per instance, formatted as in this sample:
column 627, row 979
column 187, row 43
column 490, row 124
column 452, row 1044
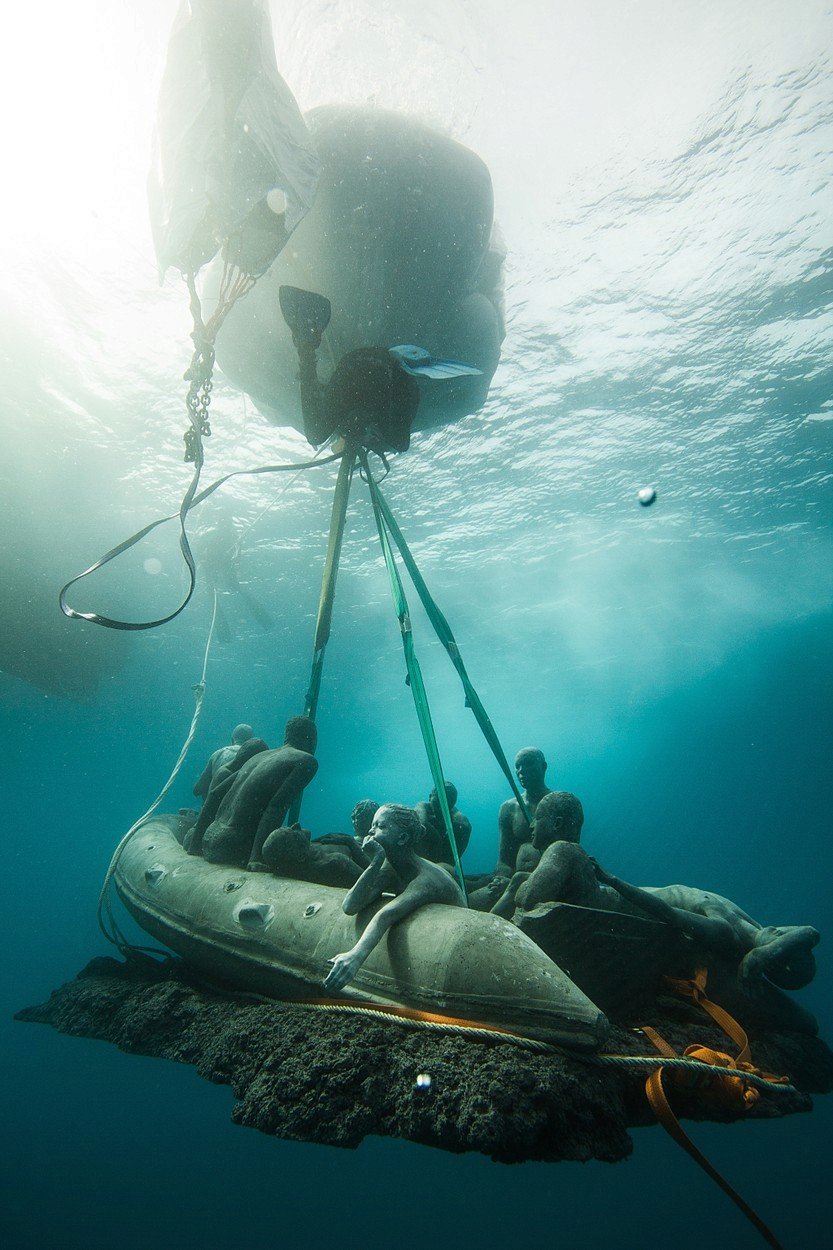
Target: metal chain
column 198, row 374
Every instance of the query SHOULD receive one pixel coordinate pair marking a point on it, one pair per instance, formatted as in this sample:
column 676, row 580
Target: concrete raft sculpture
column 275, row 936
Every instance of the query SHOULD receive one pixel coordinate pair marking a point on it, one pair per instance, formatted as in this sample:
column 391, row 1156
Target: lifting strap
column 446, row 637
column 188, row 504
column 726, row 1090
column 324, row 620
column 414, row 679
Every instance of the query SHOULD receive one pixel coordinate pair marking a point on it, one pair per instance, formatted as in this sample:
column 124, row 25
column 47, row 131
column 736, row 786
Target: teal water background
column 662, row 177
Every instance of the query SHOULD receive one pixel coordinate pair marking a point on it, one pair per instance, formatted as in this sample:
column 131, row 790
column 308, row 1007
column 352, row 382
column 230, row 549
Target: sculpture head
column 288, row 849
column 450, row 794
column 362, row 816
column 395, row 825
column 241, row 733
column 531, row 767
column 558, row 818
column 797, row 967
column 301, row 733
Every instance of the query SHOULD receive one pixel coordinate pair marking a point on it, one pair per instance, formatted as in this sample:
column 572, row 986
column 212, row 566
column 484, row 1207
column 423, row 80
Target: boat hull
column 275, row 936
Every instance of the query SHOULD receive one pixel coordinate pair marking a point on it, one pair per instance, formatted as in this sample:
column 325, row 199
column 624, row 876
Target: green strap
column 415, row 680
column 324, row 621
column 443, row 631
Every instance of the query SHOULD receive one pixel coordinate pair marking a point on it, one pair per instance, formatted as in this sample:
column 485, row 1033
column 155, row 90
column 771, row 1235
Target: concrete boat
column 274, row 936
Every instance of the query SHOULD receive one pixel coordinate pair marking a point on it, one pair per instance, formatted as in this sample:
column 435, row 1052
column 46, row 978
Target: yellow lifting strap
column 727, row 1091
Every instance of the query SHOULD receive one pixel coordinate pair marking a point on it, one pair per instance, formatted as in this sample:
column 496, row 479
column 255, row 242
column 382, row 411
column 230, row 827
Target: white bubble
column 153, row 566
column 646, row 495
column 423, row 1081
column 276, row 200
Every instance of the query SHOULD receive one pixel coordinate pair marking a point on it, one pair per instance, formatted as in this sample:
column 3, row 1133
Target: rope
column 693, row 1065
column 105, row 911
column 411, row 1018
column 104, row 906
column 323, row 623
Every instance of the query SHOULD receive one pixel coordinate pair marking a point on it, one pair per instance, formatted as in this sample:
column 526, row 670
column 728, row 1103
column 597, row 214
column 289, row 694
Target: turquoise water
column 662, row 178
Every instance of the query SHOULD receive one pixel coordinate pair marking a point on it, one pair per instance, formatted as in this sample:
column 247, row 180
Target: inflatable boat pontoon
column 275, row 936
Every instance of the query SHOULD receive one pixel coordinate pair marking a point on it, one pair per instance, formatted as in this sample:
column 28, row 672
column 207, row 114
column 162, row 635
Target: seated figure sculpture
column 433, row 841
column 220, row 782
column 565, row 873
column 513, row 827
column 394, row 866
column 253, row 797
column 361, row 818
column 559, row 817
column 223, row 755
column 290, row 852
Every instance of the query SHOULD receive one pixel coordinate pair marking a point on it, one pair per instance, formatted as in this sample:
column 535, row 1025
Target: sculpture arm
column 194, row 839
column 652, row 906
column 710, row 930
column 777, row 946
column 508, row 849
column 345, row 966
column 370, row 884
column 508, row 901
column 462, row 831
column 203, row 782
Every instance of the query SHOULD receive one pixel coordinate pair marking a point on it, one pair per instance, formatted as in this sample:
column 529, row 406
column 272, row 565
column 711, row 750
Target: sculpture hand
column 750, row 974
column 344, row 968
column 601, row 874
column 373, row 848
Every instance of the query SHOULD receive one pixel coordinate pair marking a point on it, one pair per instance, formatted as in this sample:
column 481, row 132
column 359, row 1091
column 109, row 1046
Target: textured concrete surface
column 318, row 1076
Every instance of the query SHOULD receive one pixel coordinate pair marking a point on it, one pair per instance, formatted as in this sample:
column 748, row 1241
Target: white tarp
column 228, row 132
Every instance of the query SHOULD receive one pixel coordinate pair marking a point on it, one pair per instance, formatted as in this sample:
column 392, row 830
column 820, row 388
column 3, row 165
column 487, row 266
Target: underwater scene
column 386, row 822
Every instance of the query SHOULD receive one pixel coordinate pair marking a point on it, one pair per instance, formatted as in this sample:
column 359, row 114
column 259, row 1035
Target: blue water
column 663, row 177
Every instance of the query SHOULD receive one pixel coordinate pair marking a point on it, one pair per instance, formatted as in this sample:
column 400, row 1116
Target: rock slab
column 312, row 1075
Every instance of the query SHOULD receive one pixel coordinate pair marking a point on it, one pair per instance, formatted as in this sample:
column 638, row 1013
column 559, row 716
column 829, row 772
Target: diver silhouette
column 372, row 397
column 218, row 551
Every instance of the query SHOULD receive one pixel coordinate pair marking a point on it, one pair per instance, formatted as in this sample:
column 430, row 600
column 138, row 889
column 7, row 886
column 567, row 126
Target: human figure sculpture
column 433, row 841
column 394, row 866
column 220, row 784
column 246, row 804
column 781, row 953
column 565, row 873
column 559, row 818
column 513, row 826
column 361, row 818
column 290, row 852
column 223, row 755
